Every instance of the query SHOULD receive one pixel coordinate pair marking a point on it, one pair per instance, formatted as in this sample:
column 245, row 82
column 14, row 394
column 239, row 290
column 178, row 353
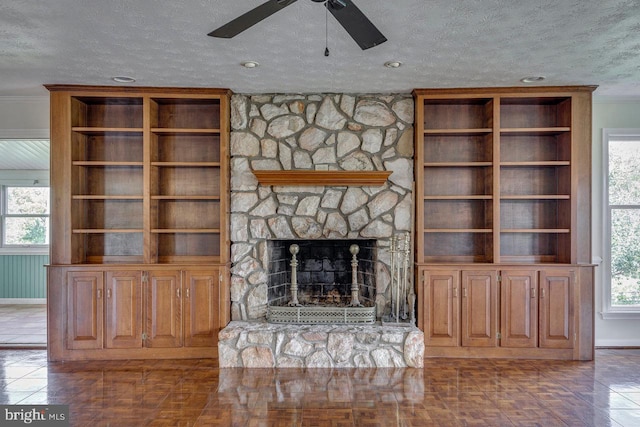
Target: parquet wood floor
column 447, row 392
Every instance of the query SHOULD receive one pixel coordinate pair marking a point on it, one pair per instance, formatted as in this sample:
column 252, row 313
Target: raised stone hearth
column 264, row 345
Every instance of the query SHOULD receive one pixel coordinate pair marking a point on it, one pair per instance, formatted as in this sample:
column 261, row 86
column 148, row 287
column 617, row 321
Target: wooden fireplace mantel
column 322, row 178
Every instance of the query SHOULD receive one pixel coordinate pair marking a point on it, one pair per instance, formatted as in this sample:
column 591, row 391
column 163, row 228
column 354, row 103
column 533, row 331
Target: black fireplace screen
column 324, row 271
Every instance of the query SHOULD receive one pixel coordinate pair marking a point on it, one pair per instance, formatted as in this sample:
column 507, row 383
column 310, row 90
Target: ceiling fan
column 348, row 15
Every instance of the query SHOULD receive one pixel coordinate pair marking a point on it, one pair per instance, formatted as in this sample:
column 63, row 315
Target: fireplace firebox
column 322, row 281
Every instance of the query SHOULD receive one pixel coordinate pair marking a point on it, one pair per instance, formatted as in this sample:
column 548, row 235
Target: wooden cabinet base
column 500, row 353
column 138, row 353
column 97, row 312
column 507, row 311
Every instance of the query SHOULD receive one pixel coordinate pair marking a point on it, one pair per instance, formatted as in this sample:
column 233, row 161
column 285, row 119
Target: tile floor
column 23, row 325
column 447, row 392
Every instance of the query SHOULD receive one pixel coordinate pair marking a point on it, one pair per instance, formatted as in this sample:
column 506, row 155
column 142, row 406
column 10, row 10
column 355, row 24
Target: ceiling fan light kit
column 532, row 79
column 123, row 79
column 359, row 27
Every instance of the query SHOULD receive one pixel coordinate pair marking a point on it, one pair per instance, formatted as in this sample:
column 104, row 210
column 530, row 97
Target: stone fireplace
column 317, row 132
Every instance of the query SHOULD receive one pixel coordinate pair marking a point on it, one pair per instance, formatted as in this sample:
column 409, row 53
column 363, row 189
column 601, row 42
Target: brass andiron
column 355, row 302
column 294, row 249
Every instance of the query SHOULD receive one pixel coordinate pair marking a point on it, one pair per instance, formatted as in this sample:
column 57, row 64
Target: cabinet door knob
column 178, row 293
column 99, row 296
column 187, row 291
column 108, row 293
column 533, row 292
column 455, row 292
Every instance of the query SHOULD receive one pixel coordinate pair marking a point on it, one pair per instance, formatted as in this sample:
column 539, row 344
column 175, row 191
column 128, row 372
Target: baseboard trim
column 4, row 301
column 10, row 346
column 629, row 343
column 618, row 348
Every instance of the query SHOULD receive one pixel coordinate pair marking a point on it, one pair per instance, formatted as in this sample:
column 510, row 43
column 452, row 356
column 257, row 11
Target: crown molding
column 24, row 134
column 17, row 98
column 604, row 99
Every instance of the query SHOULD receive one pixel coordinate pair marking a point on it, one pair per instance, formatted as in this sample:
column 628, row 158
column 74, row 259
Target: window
column 25, row 216
column 622, row 221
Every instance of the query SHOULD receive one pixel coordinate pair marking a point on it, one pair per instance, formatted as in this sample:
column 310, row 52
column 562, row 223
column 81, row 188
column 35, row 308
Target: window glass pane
column 624, row 172
column 27, row 200
column 27, row 231
column 625, row 257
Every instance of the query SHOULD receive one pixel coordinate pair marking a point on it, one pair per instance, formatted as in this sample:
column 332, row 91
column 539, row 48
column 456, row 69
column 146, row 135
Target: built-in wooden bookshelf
column 140, row 184
column 503, row 182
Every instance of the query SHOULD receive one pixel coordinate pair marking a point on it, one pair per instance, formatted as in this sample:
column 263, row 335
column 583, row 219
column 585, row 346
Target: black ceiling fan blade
column 356, row 23
column 250, row 18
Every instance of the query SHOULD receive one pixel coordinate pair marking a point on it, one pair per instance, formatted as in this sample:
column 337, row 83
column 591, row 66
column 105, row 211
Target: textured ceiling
column 441, row 43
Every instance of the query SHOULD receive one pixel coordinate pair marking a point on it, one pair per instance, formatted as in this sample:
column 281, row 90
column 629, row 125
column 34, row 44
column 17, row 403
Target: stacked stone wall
column 315, row 132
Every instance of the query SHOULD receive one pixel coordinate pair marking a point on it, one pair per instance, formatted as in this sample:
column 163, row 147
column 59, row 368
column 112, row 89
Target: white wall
column 24, row 116
column 609, row 113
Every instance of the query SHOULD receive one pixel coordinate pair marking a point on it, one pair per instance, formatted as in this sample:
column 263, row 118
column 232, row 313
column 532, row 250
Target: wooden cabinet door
column 164, row 309
column 556, row 308
column 479, row 308
column 441, row 304
column 123, row 298
column 84, row 310
column 200, row 318
column 519, row 308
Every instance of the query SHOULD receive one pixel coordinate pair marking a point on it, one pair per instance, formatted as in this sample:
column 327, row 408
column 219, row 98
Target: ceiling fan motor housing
column 336, row 4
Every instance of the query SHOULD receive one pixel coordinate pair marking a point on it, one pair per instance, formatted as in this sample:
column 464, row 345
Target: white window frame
column 608, row 310
column 18, row 249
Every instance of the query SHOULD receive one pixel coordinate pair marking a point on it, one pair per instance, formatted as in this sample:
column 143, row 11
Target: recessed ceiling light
column 250, row 64
column 532, row 79
column 123, row 79
column 393, row 64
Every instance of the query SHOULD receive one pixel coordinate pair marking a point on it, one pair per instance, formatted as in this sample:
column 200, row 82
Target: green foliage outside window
column 26, row 216
column 624, row 202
